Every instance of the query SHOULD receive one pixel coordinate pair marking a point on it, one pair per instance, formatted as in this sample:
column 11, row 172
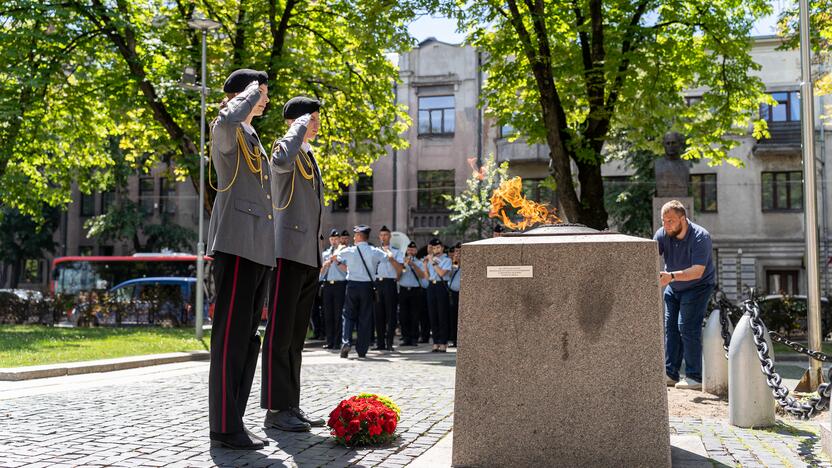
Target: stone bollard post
column 714, row 362
column 750, row 402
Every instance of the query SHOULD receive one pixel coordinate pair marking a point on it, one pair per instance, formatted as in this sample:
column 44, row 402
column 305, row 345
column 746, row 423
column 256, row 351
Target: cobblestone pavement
column 161, row 419
column 158, row 417
column 789, row 443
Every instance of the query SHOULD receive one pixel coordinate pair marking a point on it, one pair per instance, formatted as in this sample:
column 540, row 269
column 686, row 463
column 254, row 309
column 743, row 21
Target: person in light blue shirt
column 333, row 291
column 411, row 297
column 359, row 262
column 387, row 275
column 453, row 286
column 437, row 270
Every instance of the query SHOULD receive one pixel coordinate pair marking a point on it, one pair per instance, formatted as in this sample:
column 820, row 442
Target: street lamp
column 203, row 24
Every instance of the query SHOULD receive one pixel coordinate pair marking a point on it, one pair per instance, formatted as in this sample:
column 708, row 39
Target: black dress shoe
column 326, row 346
column 285, row 421
column 255, row 437
column 235, row 441
column 453, row 345
column 345, row 351
column 311, row 420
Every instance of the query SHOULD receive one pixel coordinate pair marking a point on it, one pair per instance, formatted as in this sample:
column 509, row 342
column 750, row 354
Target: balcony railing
column 784, row 136
column 429, row 221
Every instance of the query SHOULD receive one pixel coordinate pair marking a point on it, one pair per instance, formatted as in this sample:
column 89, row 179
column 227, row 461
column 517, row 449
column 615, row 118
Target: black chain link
column 773, row 379
column 726, row 309
column 817, row 355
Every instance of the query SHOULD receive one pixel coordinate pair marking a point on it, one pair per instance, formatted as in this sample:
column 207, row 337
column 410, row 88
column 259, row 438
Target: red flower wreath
column 363, row 420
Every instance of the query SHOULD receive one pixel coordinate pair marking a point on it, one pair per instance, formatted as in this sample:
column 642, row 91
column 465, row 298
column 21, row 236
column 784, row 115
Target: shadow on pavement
column 685, row 459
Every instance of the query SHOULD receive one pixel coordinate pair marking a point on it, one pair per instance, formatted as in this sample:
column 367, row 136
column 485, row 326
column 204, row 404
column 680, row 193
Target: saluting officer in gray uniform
column 334, row 288
column 298, row 198
column 241, row 241
column 386, row 277
column 453, row 286
column 411, row 297
column 360, row 261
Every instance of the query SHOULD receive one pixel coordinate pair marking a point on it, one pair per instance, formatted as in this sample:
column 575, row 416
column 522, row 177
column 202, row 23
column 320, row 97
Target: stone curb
column 103, row 365
column 11, row 374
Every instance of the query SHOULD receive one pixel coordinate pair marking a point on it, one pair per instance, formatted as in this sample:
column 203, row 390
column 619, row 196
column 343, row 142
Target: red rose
column 375, row 430
column 390, row 426
column 354, row 426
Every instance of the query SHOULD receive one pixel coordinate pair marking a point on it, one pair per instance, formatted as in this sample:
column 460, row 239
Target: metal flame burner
column 563, row 229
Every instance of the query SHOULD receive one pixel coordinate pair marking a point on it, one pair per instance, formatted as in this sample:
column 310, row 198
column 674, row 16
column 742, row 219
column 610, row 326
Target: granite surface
column 567, row 365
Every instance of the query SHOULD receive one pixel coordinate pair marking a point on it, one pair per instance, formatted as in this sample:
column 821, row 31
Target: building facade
column 754, row 213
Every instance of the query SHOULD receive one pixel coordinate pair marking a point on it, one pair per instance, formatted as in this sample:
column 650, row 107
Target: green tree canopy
column 76, row 74
column 470, row 208
column 572, row 73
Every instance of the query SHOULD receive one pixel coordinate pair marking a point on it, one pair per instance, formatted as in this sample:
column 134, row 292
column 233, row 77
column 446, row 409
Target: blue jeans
column 684, row 312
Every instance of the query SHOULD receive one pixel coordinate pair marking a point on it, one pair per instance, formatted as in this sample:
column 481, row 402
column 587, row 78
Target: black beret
column 238, row 80
column 344, row 233
column 300, row 105
column 384, row 229
column 411, row 244
column 333, row 233
column 362, row 228
column 435, row 241
column 499, row 228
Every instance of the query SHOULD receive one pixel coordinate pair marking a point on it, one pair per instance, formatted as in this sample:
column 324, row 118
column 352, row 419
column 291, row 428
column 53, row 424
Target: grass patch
column 29, row 345
column 780, row 348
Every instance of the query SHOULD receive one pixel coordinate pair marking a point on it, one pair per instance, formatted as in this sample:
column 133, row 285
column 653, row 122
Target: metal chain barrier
column 817, row 355
column 773, row 379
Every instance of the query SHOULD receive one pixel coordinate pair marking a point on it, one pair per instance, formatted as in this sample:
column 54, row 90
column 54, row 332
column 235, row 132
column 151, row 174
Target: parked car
column 164, row 301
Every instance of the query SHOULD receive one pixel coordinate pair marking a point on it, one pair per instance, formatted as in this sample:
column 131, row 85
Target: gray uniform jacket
column 242, row 222
column 297, row 200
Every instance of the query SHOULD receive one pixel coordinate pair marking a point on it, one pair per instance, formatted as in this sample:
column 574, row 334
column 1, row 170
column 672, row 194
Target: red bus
column 72, row 275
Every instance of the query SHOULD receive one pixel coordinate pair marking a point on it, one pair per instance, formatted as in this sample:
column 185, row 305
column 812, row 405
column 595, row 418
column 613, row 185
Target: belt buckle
column 331, row 281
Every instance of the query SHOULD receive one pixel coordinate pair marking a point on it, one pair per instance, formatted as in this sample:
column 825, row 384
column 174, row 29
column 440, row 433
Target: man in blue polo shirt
column 688, row 279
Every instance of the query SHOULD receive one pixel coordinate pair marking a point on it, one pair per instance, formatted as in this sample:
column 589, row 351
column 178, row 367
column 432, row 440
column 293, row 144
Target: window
column 507, row 130
column 167, row 196
column 87, row 205
column 436, row 115
column 692, row 100
column 106, row 250
column 107, row 200
column 147, row 189
column 616, row 184
column 364, row 193
column 342, row 203
column 782, row 282
column 703, row 191
column 85, row 250
column 786, row 110
column 432, row 186
column 782, row 191
column 533, row 190
column 32, row 271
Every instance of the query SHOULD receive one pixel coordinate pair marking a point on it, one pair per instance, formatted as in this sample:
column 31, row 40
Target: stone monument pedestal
column 561, row 358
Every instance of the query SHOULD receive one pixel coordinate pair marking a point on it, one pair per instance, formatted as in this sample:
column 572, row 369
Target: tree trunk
column 592, row 211
column 17, row 268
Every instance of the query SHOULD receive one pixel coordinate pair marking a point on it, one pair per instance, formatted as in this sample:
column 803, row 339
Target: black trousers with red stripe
column 291, row 297
column 241, row 288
